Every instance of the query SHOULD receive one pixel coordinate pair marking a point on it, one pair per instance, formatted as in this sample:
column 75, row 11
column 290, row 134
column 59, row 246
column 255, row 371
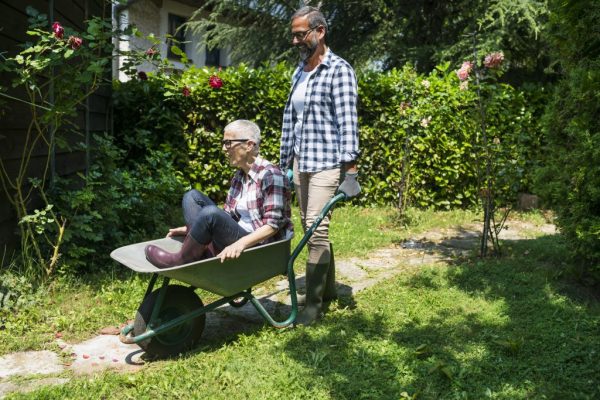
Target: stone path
column 34, row 369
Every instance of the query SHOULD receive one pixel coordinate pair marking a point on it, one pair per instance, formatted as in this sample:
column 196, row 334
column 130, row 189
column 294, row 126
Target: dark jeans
column 206, row 222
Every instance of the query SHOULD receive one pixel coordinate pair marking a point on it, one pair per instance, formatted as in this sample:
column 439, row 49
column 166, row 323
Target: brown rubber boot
column 190, row 251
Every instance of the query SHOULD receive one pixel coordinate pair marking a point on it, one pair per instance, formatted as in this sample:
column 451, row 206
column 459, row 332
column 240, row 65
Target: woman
column 257, row 208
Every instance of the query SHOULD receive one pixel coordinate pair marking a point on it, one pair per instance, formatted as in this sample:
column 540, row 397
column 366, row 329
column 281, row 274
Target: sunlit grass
column 507, row 328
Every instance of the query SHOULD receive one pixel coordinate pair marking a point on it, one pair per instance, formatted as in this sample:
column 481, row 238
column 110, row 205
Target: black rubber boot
column 190, row 251
column 316, row 277
column 330, row 293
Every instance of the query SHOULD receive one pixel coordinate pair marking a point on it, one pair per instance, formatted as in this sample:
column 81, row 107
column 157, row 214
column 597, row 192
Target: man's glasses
column 302, row 34
column 227, row 142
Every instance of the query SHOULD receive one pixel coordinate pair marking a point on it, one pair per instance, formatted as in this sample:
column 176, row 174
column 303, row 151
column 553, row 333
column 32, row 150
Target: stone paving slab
column 26, row 387
column 30, row 363
column 103, row 352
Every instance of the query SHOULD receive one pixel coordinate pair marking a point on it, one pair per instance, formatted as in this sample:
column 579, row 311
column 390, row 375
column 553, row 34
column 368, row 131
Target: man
column 320, row 142
column 257, row 208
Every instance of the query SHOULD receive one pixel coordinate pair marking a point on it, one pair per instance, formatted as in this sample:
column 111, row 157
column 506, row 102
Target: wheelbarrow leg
column 159, row 300
column 151, row 285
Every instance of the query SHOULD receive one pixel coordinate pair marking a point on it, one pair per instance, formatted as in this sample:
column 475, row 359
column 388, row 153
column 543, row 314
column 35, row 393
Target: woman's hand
column 232, row 251
column 181, row 231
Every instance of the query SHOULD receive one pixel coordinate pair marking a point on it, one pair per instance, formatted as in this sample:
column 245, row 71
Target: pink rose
column 465, row 70
column 186, row 91
column 75, row 42
column 151, row 52
column 215, row 82
column 58, row 30
column 142, row 76
column 494, row 60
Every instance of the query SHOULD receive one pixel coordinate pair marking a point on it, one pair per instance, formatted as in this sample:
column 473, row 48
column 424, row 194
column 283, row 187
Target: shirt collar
column 255, row 169
column 325, row 63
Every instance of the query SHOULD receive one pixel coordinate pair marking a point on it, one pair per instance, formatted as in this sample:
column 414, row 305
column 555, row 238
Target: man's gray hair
column 314, row 15
column 245, row 127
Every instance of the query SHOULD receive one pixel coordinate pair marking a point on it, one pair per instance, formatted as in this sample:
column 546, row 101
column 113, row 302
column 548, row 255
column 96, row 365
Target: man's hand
column 181, row 231
column 232, row 251
column 350, row 186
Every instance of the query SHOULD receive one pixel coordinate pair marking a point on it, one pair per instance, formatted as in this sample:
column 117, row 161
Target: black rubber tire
column 178, row 300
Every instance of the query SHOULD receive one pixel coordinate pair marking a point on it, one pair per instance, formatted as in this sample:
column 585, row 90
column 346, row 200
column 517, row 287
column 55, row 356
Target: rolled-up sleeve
column 345, row 98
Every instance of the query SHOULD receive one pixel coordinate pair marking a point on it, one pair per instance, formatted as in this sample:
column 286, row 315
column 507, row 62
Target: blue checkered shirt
column 330, row 123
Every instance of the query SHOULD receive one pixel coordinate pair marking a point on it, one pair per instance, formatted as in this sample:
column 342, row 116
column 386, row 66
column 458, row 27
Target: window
column 213, row 57
column 176, row 30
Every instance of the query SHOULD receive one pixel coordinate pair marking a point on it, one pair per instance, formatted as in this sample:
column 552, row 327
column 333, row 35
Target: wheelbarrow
column 171, row 319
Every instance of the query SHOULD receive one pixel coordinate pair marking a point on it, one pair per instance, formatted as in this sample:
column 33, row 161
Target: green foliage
column 115, row 204
column 428, row 118
column 383, row 33
column 55, row 72
column 570, row 177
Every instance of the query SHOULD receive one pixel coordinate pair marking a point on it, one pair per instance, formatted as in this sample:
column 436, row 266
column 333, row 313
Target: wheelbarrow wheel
column 179, row 300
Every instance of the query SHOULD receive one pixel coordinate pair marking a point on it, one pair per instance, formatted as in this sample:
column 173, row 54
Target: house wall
column 15, row 117
column 150, row 16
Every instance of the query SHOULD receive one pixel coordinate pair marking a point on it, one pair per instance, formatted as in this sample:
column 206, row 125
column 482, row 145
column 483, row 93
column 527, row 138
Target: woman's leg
column 193, row 201
column 214, row 224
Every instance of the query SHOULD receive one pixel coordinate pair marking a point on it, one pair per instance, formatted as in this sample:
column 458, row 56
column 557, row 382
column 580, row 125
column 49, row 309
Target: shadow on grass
column 499, row 328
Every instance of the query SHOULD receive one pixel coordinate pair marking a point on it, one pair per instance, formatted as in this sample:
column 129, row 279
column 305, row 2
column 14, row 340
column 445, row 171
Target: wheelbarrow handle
column 309, row 232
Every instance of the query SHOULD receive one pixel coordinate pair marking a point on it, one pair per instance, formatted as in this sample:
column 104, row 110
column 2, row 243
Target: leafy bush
column 116, row 204
column 428, row 118
column 570, row 178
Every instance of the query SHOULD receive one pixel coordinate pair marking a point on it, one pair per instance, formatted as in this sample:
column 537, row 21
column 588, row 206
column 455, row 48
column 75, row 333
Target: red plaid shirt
column 268, row 198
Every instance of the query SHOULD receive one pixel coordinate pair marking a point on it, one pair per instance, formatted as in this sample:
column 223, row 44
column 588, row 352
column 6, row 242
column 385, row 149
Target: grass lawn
column 509, row 328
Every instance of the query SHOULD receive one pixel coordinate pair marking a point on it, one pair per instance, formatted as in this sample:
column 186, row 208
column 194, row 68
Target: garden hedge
column 427, row 121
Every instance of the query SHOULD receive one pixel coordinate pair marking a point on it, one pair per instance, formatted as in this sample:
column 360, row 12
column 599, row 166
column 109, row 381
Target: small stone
column 58, row 335
column 86, row 356
column 115, row 360
column 101, row 357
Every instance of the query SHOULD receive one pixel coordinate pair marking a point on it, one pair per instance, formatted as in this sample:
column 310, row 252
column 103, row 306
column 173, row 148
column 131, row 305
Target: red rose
column 58, row 30
column 151, row 52
column 142, row 76
column 75, row 42
column 215, row 82
column 186, row 91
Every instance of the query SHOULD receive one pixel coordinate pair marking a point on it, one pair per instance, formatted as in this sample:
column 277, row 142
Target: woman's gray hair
column 314, row 16
column 245, row 128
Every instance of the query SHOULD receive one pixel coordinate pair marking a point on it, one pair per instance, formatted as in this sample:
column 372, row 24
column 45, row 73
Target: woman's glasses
column 227, row 142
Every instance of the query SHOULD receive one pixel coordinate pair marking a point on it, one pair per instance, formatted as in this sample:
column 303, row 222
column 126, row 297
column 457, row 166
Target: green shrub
column 570, row 179
column 427, row 117
column 116, row 204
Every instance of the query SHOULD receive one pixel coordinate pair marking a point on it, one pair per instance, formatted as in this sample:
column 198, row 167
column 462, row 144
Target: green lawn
column 512, row 328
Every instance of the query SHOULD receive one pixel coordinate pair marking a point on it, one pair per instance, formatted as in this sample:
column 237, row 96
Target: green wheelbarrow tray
column 231, row 277
column 171, row 319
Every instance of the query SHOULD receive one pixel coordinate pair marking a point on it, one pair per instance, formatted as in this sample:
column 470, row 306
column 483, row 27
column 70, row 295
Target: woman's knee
column 209, row 213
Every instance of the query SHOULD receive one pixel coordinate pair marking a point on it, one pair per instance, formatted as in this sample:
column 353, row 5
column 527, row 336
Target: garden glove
column 350, row 186
column 290, row 176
